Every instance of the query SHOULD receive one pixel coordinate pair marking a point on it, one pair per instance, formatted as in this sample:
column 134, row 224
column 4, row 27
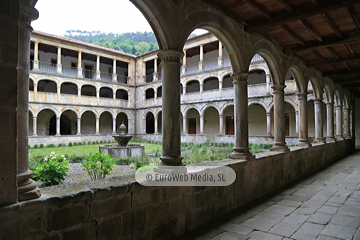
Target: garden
column 81, row 161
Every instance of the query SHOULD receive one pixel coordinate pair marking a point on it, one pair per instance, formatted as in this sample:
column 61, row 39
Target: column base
column 57, row 135
column 303, row 143
column 339, row 137
column 319, row 140
column 241, row 154
column 78, row 134
column 114, row 133
column 347, row 137
column 330, row 139
column 269, row 135
column 97, row 133
column 280, row 148
column 34, row 135
column 27, row 188
column 169, row 169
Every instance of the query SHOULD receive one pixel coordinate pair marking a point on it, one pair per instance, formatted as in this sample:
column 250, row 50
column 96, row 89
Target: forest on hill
column 135, row 43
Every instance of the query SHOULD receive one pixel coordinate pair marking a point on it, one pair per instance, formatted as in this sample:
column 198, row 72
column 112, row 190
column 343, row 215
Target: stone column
column 171, row 134
column 319, row 138
column 57, row 126
column 58, row 92
column 114, row 75
column 330, row 122
column 97, row 124
column 221, row 124
column 184, row 125
column 297, row 123
column 36, row 56
column 303, row 127
column 98, row 73
column 268, row 124
column 58, row 64
column 155, row 77
column 279, row 119
column 78, row 126
column 98, row 93
column 220, row 58
column 184, row 90
column 201, row 88
column 201, row 124
column 268, row 82
column 346, row 113
column 114, row 126
column 79, row 68
column 183, row 67
column 241, row 149
column 35, row 91
column 156, row 131
column 34, row 126
column 201, row 63
column 339, row 123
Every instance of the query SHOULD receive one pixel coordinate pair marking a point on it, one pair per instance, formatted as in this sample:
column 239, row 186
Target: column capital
column 240, row 76
column 338, row 107
column 170, row 56
column 268, row 113
column 318, row 100
column 329, row 104
column 278, row 88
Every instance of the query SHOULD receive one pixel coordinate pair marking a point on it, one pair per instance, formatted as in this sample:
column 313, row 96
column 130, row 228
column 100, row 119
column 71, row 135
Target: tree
column 126, row 48
column 142, row 47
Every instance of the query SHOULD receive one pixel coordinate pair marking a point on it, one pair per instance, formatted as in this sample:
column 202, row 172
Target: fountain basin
column 116, row 151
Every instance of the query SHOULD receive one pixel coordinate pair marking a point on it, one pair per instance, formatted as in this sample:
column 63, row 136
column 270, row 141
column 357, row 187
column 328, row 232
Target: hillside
column 135, row 43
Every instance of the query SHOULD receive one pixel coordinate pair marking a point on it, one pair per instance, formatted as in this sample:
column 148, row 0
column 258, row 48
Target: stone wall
column 126, row 210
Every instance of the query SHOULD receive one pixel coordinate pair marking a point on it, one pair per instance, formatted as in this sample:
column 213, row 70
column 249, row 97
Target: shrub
column 76, row 158
column 50, row 145
column 29, row 146
column 89, row 143
column 203, row 150
column 41, row 146
column 98, row 165
column 70, row 144
column 36, row 146
column 52, row 170
column 212, row 149
column 137, row 161
column 75, row 144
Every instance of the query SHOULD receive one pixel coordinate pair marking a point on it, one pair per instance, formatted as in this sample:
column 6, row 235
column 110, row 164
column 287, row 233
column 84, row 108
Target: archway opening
column 193, row 86
column 88, row 123
column 228, row 82
column 150, row 123
column 106, row 92
column 122, row 94
column 211, row 84
column 122, row 118
column 88, row 90
column 47, row 86
column 159, row 92
column 229, row 123
column 159, row 122
column 193, row 121
column 211, row 123
column 31, row 85
column 44, row 127
column 257, row 77
column 150, row 93
column 105, row 123
column 68, row 123
column 69, row 88
column 257, row 120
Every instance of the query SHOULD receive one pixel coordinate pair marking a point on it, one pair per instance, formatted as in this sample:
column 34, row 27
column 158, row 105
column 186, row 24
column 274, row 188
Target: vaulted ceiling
column 325, row 34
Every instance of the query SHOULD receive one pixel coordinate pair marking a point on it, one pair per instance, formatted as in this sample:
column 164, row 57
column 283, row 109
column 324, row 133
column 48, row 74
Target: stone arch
column 292, row 103
column 159, row 91
column 105, row 122
column 47, row 85
column 271, row 56
column 150, row 123
column 225, row 106
column 122, row 94
column 68, row 122
column 68, row 108
column 207, row 76
column 107, row 110
column 187, row 109
column 253, row 102
column 122, row 117
column 88, row 122
column 88, row 90
column 257, row 118
column 49, row 78
column 211, row 83
column 227, row 81
column 69, row 88
column 338, row 98
column 224, row 74
column 91, row 110
column 328, row 93
column 203, row 109
column 192, row 86
column 46, row 127
column 106, row 92
column 301, row 82
column 149, row 93
column 49, row 107
column 31, row 84
column 317, row 89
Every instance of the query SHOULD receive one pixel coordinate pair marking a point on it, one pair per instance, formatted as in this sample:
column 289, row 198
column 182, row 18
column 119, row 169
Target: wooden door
column 229, row 126
column 287, row 125
column 192, row 125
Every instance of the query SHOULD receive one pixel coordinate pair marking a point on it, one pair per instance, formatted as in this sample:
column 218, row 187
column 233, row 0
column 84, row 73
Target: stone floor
column 325, row 206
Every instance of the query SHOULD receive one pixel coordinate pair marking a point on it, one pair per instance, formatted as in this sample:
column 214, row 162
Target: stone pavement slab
column 326, row 206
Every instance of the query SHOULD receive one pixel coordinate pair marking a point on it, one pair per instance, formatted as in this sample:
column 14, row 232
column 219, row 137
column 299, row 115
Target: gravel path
column 76, row 173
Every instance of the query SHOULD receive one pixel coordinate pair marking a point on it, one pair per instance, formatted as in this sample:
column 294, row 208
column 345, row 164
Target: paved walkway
column 325, row 206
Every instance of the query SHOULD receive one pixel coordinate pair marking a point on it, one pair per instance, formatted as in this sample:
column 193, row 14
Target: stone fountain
column 123, row 149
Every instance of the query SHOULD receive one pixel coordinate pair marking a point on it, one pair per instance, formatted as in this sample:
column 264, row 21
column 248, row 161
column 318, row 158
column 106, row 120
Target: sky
column 116, row 16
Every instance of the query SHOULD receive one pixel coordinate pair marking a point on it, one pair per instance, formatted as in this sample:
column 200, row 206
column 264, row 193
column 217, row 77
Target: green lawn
column 85, row 149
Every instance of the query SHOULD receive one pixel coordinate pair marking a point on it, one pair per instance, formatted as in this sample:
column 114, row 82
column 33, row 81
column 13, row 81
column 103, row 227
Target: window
column 88, row 71
column 73, row 65
column 53, row 62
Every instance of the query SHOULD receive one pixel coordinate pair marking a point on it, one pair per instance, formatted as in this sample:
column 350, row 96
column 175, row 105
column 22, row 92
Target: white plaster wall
column 257, row 120
column 211, row 123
